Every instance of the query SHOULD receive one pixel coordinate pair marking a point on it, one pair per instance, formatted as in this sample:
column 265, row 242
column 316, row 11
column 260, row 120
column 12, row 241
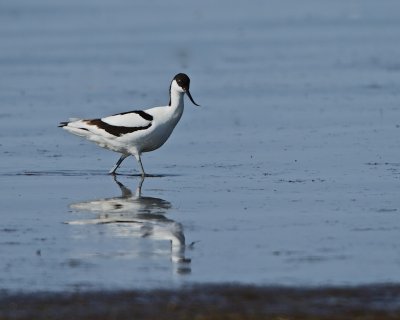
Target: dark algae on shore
column 209, row 302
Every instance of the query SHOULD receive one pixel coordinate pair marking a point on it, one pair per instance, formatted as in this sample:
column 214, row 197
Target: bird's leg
column 126, row 192
column 138, row 192
column 139, row 160
column 122, row 158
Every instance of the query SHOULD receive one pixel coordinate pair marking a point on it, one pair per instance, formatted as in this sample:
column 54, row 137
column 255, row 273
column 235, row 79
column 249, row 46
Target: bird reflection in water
column 135, row 215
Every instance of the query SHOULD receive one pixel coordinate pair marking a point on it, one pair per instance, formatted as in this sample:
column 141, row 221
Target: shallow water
column 287, row 174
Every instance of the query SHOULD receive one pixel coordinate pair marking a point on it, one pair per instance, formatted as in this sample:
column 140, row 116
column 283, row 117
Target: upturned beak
column 190, row 97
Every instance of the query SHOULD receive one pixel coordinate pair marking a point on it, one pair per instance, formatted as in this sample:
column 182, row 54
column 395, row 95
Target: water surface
column 288, row 174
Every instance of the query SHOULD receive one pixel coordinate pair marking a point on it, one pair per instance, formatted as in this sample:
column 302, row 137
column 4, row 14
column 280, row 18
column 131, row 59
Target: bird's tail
column 70, row 120
column 75, row 126
column 63, row 124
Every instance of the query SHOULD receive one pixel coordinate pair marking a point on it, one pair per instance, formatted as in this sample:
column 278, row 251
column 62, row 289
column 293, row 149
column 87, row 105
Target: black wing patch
column 141, row 113
column 116, row 130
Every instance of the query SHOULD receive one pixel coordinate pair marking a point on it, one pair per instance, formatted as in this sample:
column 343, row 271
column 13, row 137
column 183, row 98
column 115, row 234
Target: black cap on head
column 184, row 82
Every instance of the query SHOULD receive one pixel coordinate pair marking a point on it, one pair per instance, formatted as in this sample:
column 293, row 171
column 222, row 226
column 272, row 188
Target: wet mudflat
column 288, row 173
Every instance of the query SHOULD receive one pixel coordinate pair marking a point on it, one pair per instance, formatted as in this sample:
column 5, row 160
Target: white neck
column 176, row 99
column 176, row 94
